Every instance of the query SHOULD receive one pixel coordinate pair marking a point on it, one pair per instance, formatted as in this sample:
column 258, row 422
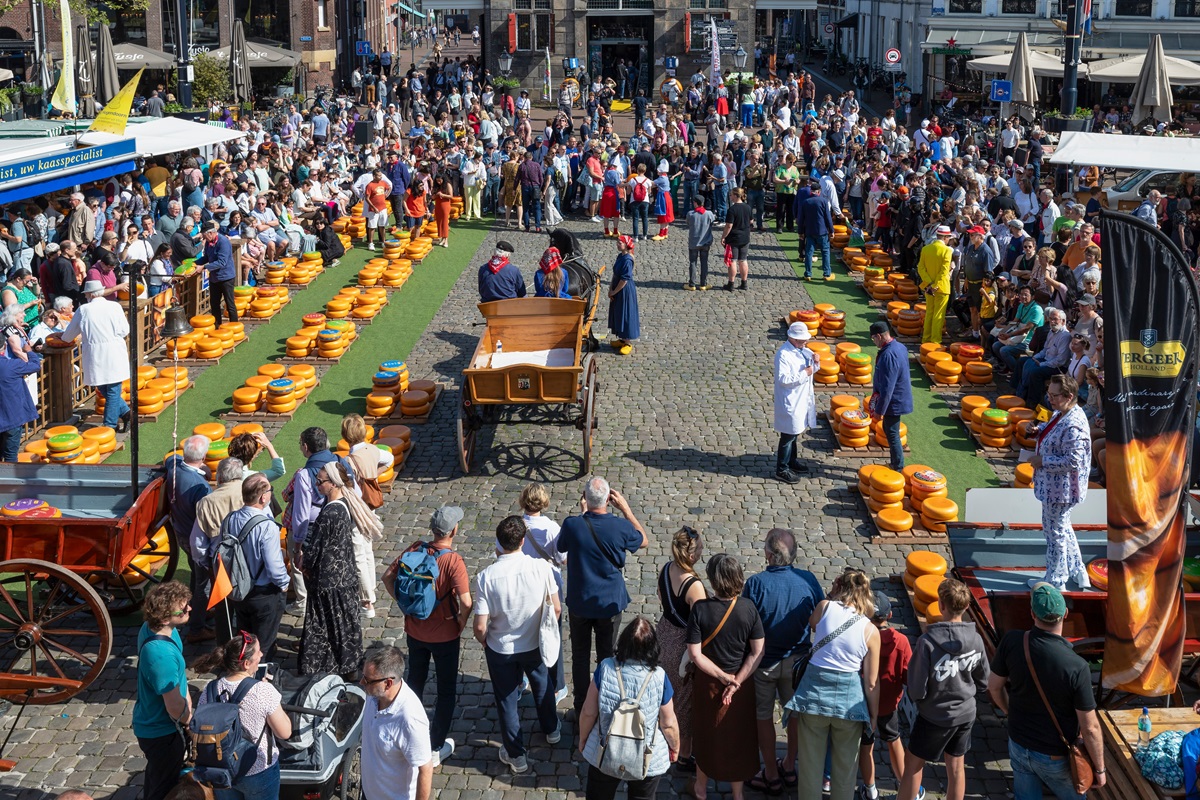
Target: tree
column 82, row 10
column 212, row 80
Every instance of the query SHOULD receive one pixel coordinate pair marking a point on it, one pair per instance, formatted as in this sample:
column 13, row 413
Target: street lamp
column 739, row 58
column 506, row 63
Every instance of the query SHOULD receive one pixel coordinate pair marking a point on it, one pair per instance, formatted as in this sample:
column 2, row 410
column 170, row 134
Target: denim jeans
column 581, row 650
column 531, row 199
column 10, row 444
column 115, row 406
column 747, row 115
column 505, row 671
column 445, row 661
column 1009, row 353
column 891, row 427
column 1032, row 771
column 811, row 243
column 640, row 211
column 491, row 196
column 757, row 198
column 698, row 256
column 785, row 454
column 720, row 201
column 263, row 786
column 856, row 207
column 691, row 189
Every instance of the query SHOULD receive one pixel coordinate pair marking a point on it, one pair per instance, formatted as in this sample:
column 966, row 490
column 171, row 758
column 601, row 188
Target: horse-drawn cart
column 529, row 354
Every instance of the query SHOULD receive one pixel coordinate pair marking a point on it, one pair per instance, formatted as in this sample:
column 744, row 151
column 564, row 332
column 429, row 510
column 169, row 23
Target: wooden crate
column 1119, row 731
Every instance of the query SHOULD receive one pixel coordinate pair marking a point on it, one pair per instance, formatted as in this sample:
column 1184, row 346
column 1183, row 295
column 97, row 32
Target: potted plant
column 1055, row 122
column 32, row 98
column 504, row 85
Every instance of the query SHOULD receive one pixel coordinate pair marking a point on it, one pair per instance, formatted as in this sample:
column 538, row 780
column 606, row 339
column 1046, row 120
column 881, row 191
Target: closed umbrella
column 85, row 86
column 240, row 65
column 107, row 81
column 1020, row 72
column 1152, row 93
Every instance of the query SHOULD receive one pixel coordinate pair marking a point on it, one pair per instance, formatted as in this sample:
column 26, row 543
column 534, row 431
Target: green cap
column 1048, row 603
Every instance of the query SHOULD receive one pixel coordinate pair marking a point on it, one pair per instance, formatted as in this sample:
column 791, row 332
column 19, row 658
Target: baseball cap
column 1086, row 300
column 883, row 606
column 880, row 326
column 799, row 331
column 1047, row 603
column 445, row 519
column 977, row 229
column 1004, row 276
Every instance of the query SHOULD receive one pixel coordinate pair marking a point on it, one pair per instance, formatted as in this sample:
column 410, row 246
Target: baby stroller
column 321, row 759
column 582, row 281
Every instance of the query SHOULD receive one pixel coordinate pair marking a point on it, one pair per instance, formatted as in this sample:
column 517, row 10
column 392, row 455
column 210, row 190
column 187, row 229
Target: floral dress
column 332, row 637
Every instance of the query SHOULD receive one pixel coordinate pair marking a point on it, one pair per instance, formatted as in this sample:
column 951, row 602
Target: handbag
column 1082, row 773
column 800, row 665
column 549, row 636
column 686, row 660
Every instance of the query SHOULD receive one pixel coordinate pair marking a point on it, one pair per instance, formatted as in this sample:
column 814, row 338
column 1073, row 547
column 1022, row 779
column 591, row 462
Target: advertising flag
column 546, row 78
column 715, row 70
column 1151, row 306
column 221, row 586
column 115, row 115
column 64, row 93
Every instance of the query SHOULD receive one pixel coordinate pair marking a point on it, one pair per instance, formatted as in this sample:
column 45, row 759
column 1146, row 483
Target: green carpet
column 933, row 437
column 391, row 334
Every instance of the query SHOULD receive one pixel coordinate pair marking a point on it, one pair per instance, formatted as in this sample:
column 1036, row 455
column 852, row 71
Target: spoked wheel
column 587, row 400
column 351, row 774
column 55, row 632
column 468, row 430
column 154, row 563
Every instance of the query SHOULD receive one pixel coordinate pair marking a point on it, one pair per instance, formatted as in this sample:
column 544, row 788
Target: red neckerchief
column 497, row 263
column 1049, row 427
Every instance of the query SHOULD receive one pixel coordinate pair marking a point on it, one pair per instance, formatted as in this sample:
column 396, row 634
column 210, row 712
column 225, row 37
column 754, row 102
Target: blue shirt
column 160, row 669
column 264, row 558
column 596, row 588
column 785, row 598
column 506, row 284
column 218, row 259
column 185, row 487
column 539, row 278
column 815, row 216
column 893, row 385
column 17, row 408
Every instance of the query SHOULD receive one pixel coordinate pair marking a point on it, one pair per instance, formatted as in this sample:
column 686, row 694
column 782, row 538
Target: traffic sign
column 1001, row 91
column 892, row 56
column 829, row 29
column 892, row 67
column 362, row 48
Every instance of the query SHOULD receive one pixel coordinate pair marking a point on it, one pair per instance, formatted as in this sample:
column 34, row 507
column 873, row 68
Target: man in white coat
column 103, row 327
column 795, row 403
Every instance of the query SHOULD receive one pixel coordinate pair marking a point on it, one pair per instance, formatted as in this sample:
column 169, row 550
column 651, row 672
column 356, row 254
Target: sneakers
column 1081, row 579
column 371, row 246
column 560, row 695
column 866, row 793
column 518, row 765
column 335, row 262
column 367, row 613
column 444, row 752
column 597, row 219
column 829, row 278
column 556, row 736
column 295, row 609
column 787, row 476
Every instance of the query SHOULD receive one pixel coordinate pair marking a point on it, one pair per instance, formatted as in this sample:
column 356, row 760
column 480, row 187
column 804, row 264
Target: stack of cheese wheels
column 90, row 450
column 839, row 403
column 393, row 249
column 969, row 404
column 844, row 349
column 924, row 484
column 429, row 228
column 339, row 307
column 226, row 338
column 177, row 374
column 166, row 386
column 301, row 345
column 872, row 277
column 277, row 273
column 145, row 563
column 418, row 248
column 864, row 478
column 908, row 472
column 381, row 403
column 910, row 322
column 978, row 372
column 997, row 430
column 367, row 305
column 881, row 436
column 217, row 450
column 968, row 353
column 213, row 431
column 203, row 323
column 428, row 387
column 236, row 329
column 887, row 500
column 272, row 371
column 821, row 349
column 894, row 308
column 330, row 344
column 841, row 236
column 104, row 437
column 395, row 276
column 828, row 370
column 281, row 396
column 928, row 349
column 345, row 327
column 946, row 371
column 242, row 295
column 247, row 399
column 833, row 324
column 386, row 381
column 937, row 511
column 811, row 320
column 1021, row 431
column 146, row 373
column 414, row 403
column 854, row 428
column 357, row 225
column 265, row 302
column 883, row 291
column 1024, row 476
column 855, row 259
column 907, row 290
column 304, row 375
column 881, row 259
column 924, row 564
column 397, row 439
column 398, row 367
column 64, row 448
column 181, row 346
column 150, row 401
column 857, row 369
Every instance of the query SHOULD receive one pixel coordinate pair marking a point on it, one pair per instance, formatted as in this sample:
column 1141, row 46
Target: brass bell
column 177, row 323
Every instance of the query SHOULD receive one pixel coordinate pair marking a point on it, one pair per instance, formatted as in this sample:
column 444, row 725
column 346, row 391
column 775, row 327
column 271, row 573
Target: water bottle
column 499, row 346
column 1144, row 726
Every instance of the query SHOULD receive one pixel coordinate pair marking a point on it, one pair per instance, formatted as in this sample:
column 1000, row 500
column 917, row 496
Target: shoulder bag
column 686, row 660
column 800, row 665
column 1082, row 772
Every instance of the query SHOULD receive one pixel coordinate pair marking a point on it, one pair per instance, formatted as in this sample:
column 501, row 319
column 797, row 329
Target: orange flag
column 221, row 585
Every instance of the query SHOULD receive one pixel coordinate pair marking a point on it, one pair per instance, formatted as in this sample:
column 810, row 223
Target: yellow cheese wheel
column 101, row 434
column 246, row 427
column 150, row 408
column 381, row 400
column 247, row 395
column 933, row 613
column 281, row 408
column 927, row 480
column 298, row 372
column 887, row 498
column 273, row 371
column 877, row 506
column 908, row 471
column 828, row 369
column 894, row 519
column 1025, row 472
column 994, row 441
column 864, row 472
column 259, row 381
column 947, row 368
column 935, row 357
column 243, row 408
column 919, row 496
column 844, row 401
column 825, row 379
column 909, row 579
column 164, row 385
column 149, row 397
column 331, row 352
column 855, row 441
column 864, row 489
column 942, row 509
column 1009, row 401
column 859, row 380
column 887, row 480
column 926, row 586
column 925, row 562
column 933, row 525
column 971, row 402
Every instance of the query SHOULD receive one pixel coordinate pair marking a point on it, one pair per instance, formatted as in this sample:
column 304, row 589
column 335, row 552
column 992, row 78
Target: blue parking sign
column 1001, row 91
column 362, row 48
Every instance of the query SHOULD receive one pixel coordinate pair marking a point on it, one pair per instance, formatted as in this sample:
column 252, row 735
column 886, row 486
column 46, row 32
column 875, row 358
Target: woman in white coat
column 101, row 326
column 795, row 404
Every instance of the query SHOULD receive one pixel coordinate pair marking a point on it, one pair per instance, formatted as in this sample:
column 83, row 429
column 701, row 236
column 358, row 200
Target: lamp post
column 1069, row 98
column 184, row 55
column 505, row 63
column 739, row 58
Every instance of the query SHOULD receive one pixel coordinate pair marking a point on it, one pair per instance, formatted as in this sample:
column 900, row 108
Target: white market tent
column 168, row 135
column 1044, row 65
column 1126, row 69
column 1127, row 152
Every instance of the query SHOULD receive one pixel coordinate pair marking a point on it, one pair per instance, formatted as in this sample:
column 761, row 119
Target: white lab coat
column 101, row 326
column 795, row 403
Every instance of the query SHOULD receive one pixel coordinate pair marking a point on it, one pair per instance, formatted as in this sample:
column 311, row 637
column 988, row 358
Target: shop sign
column 60, row 162
column 952, row 51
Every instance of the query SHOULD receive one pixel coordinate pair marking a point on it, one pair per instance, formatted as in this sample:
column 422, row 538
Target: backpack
column 33, row 234
column 625, row 746
column 189, row 180
column 639, row 191
column 224, row 753
column 415, row 580
column 230, row 551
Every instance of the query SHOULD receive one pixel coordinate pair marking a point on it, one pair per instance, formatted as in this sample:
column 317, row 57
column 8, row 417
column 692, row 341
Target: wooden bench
column 1119, row 729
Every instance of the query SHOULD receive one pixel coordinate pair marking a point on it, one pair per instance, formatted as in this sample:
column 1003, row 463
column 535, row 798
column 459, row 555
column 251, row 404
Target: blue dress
column 539, row 290
column 623, row 308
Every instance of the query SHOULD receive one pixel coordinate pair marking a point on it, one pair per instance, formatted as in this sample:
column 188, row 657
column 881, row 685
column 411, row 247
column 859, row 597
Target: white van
column 1127, row 194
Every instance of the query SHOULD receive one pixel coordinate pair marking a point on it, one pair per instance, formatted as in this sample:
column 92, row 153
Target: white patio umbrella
column 1044, row 65
column 1020, row 72
column 1152, row 93
column 1126, row 69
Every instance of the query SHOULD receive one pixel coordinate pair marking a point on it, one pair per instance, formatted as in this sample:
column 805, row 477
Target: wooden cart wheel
column 53, row 625
column 587, row 417
column 153, row 564
column 467, row 429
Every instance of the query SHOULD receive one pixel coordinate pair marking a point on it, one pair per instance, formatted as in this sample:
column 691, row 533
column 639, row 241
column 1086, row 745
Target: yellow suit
column 934, row 271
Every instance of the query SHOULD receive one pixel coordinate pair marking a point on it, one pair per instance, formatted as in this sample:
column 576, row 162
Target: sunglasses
column 186, row 608
column 247, row 640
column 691, row 532
column 366, row 682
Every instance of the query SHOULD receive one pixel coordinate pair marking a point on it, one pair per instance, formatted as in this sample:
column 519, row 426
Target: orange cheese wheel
column 864, row 472
column 980, row 368
column 246, row 427
column 282, row 408
column 854, row 441
column 909, row 579
column 259, row 381
column 859, row 380
column 302, row 372
column 947, row 369
column 273, row 371
column 298, row 342
column 908, row 471
column 925, row 587
column 936, row 357
column 247, row 395
column 1009, row 401
column 887, row 480
column 853, row 421
column 150, row 408
column 827, row 380
column 877, row 506
column 381, row 400
column 164, row 385
column 149, row 397
column 925, row 562
column 214, row 431
column 994, row 441
column 933, row 525
column 1017, row 415
column 919, row 496
column 844, row 401
column 101, row 434
column 243, row 408
column 942, row 509
column 887, row 498
column 894, row 519
column 857, row 371
column 971, row 402
column 1025, row 472
column 828, row 369
column 933, row 612
column 927, row 480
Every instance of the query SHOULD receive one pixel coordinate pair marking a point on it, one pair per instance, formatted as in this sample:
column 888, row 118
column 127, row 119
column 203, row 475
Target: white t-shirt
column 511, row 592
column 541, row 531
column 395, row 745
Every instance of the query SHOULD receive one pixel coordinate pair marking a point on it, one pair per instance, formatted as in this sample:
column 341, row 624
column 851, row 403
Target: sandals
column 788, row 776
column 687, row 764
column 760, row 783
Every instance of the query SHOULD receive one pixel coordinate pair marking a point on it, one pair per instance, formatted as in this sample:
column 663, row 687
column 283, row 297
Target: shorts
column 377, row 219
column 740, row 252
column 929, row 742
column 271, row 236
column 887, row 728
column 772, row 682
column 594, row 191
column 974, row 298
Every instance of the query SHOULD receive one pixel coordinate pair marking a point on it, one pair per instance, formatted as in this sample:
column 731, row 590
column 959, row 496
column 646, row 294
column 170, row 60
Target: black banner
column 1151, row 305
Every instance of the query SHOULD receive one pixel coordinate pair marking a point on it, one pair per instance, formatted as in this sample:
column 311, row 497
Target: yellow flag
column 64, row 93
column 114, row 116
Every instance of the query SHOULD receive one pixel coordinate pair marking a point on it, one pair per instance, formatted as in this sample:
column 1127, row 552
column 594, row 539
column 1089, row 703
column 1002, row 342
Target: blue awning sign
column 66, row 161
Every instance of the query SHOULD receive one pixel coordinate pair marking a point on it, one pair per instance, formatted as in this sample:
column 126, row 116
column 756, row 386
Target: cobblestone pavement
column 685, row 433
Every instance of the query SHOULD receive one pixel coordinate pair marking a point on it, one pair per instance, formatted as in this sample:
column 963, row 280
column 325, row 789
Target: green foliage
column 9, row 98
column 212, row 80
column 81, row 10
column 172, row 108
column 502, row 82
column 31, row 89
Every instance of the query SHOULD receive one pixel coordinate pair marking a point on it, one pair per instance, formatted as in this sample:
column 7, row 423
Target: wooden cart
column 541, row 363
column 61, row 578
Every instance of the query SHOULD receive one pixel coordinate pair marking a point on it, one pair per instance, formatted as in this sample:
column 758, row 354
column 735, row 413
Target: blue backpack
column 415, row 579
column 224, row 754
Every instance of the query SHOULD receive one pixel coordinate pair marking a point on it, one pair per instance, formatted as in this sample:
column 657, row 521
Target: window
column 1187, row 8
column 1133, row 8
column 702, row 29
column 204, row 34
column 125, row 26
column 707, row 4
column 322, row 19
column 534, row 31
column 270, row 21
column 616, row 5
column 1018, row 6
column 966, row 6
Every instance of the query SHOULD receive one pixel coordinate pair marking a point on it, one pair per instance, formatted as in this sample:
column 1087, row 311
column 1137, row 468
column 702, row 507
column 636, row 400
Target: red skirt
column 610, row 203
column 668, row 217
column 723, row 106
